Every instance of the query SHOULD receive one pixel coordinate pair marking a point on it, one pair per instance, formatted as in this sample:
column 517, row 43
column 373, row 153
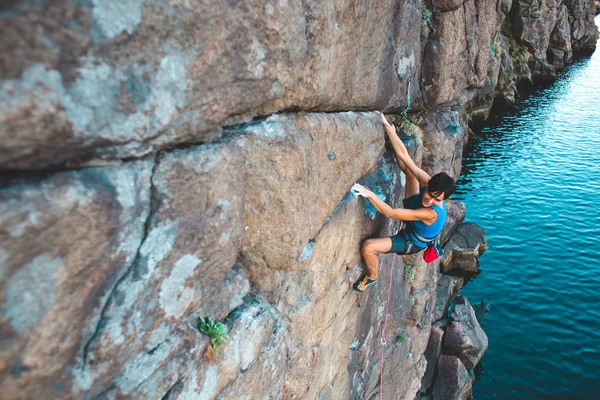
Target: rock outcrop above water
column 454, row 382
column 462, row 250
column 464, row 337
column 166, row 161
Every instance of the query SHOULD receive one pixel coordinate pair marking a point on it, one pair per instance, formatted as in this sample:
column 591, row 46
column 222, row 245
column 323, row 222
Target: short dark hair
column 441, row 183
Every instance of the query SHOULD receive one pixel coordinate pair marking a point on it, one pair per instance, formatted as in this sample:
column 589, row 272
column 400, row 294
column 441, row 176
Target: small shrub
column 400, row 339
column 409, row 272
column 425, row 16
column 217, row 331
column 409, row 126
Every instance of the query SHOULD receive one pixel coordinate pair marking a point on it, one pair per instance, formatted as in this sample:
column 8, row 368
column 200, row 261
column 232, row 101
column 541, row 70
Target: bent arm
column 403, row 214
column 402, row 153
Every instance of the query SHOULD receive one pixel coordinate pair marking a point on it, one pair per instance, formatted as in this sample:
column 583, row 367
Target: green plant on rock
column 216, row 331
column 409, row 272
column 425, row 16
column 400, row 339
column 409, row 126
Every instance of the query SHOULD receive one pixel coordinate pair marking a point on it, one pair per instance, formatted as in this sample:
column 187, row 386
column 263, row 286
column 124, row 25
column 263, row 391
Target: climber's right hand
column 360, row 190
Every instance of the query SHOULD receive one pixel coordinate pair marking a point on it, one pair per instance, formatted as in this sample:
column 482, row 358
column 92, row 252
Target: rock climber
column 424, row 210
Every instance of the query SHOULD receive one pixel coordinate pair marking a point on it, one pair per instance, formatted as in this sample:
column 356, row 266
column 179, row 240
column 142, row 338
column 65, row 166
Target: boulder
column 463, row 248
column 453, row 381
column 447, row 289
column 464, row 337
column 455, row 215
column 432, row 355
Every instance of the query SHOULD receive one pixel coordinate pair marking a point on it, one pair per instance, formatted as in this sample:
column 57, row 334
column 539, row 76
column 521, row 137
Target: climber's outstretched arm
column 403, row 214
column 404, row 160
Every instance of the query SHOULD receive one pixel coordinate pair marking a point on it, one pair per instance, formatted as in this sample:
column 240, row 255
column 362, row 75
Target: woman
column 424, row 210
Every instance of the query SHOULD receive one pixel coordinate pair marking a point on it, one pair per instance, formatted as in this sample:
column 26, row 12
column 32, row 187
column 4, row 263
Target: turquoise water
column 532, row 180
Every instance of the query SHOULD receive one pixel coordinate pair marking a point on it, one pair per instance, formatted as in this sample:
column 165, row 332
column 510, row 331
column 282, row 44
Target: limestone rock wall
column 163, row 161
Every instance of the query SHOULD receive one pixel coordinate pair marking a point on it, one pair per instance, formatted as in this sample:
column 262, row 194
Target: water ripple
column 531, row 180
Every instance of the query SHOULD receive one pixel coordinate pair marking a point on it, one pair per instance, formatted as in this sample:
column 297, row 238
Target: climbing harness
column 382, row 339
column 433, row 250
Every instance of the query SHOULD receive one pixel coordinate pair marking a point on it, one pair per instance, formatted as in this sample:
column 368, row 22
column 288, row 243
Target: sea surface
column 532, row 181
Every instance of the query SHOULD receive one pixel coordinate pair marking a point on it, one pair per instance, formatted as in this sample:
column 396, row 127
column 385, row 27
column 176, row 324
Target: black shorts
column 401, row 244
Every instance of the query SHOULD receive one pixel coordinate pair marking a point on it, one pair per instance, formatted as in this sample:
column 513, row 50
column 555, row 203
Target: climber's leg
column 370, row 249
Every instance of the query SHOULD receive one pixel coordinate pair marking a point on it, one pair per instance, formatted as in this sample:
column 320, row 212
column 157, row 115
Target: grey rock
column 541, row 69
column 463, row 248
column 584, row 32
column 268, row 358
column 455, row 215
column 257, row 342
column 507, row 75
column 482, row 309
column 288, row 169
column 448, row 288
column 534, row 23
column 444, row 137
column 118, row 81
column 453, row 381
column 432, row 355
column 556, row 58
column 193, row 236
column 456, row 55
column 231, row 291
column 447, row 5
column 422, row 294
column 464, row 337
column 65, row 243
column 561, row 38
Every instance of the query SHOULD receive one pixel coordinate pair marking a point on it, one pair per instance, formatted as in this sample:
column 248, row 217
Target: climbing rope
column 383, row 341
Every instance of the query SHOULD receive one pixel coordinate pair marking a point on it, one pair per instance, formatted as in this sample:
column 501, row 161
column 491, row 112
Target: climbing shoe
column 366, row 282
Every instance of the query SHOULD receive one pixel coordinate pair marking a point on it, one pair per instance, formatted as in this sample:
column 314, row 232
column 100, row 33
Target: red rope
column 383, row 341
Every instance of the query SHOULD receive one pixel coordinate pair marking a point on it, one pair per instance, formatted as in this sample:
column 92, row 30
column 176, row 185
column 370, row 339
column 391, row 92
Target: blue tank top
column 424, row 230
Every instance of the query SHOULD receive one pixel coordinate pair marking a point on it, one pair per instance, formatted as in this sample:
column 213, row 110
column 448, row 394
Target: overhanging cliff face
column 169, row 160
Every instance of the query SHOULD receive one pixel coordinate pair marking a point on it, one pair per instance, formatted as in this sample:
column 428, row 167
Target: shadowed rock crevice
column 98, row 325
column 172, row 390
